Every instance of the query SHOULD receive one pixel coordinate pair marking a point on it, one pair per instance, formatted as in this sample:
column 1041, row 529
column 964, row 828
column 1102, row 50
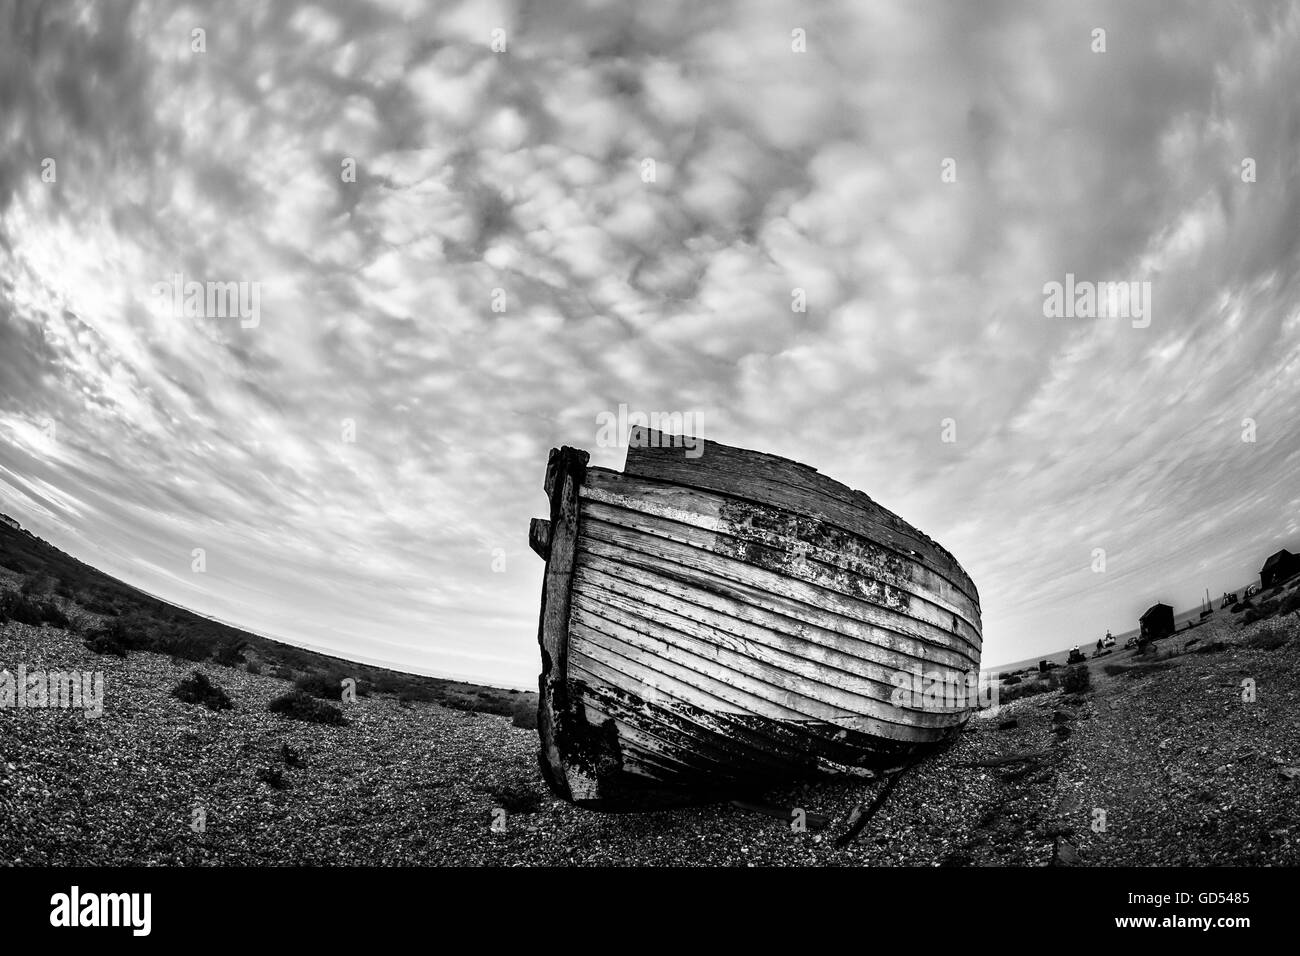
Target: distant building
column 6, row 520
column 1278, row 568
column 1157, row 622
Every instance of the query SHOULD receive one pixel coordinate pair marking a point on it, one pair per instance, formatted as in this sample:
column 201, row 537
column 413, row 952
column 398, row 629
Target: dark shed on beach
column 1278, row 568
column 1158, row 621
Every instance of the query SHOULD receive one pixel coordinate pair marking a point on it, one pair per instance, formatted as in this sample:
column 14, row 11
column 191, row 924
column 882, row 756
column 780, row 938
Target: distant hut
column 1278, row 568
column 1157, row 622
column 10, row 522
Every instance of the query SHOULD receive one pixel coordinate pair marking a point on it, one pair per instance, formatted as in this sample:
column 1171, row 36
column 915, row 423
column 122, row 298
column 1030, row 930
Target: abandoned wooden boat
column 716, row 620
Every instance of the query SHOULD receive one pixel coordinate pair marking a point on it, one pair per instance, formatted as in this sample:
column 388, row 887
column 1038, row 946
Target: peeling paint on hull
column 721, row 624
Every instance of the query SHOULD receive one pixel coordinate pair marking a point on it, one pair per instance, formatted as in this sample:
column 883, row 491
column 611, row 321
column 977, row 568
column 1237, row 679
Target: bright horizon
column 827, row 234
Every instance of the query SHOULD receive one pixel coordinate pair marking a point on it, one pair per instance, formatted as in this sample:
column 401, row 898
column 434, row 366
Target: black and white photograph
column 449, row 440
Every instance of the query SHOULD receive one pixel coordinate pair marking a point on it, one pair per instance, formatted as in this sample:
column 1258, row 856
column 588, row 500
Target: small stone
column 1066, row 854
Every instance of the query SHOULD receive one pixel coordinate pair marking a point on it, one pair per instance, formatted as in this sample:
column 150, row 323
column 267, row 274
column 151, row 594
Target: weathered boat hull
column 716, row 620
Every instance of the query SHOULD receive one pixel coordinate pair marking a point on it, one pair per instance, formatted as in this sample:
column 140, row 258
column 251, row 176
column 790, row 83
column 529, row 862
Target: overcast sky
column 131, row 435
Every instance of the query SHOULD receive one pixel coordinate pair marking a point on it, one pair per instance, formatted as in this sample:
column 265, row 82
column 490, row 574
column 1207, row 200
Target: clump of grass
column 273, row 777
column 229, row 653
column 299, row 705
column 53, row 614
column 37, row 585
column 321, row 685
column 103, row 643
column 525, row 715
column 459, row 703
column 181, row 647
column 419, row 694
column 1077, row 680
column 1043, row 684
column 1269, row 637
column 33, row 608
column 127, row 631
column 290, row 756
column 197, row 689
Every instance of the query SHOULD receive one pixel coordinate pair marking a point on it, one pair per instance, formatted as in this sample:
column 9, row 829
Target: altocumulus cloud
column 132, row 436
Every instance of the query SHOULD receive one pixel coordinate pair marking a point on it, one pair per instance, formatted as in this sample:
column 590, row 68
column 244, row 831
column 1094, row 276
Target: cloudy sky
column 358, row 460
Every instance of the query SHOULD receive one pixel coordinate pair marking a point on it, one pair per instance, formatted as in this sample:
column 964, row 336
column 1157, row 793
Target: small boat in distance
column 716, row 620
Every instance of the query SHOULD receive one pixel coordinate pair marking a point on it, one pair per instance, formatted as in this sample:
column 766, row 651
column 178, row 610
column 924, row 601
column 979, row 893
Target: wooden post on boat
column 556, row 540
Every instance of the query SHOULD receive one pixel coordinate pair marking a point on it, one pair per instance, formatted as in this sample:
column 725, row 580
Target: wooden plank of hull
column 684, row 728
column 763, row 588
column 771, row 480
column 784, row 541
column 779, row 667
column 682, row 745
column 769, row 562
column 650, row 662
column 688, row 760
column 744, row 626
column 748, row 751
column 767, row 671
column 732, row 623
column 754, row 750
